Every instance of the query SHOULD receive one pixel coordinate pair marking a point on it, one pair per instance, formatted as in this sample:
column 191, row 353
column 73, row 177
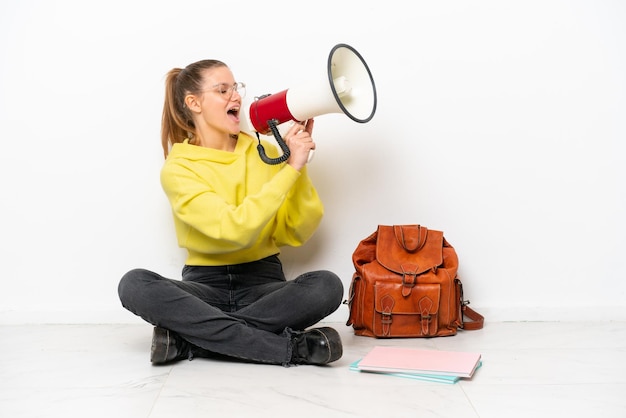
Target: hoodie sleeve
column 300, row 214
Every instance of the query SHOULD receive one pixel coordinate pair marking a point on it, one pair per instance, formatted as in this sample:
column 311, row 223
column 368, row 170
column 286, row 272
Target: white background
column 501, row 123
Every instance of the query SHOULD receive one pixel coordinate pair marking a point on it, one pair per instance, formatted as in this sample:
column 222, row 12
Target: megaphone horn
column 348, row 88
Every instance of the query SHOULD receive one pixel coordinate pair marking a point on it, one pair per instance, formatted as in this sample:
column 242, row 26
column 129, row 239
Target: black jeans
column 246, row 311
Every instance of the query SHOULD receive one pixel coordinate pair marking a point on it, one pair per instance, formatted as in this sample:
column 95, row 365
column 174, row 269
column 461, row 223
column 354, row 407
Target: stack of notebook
column 429, row 365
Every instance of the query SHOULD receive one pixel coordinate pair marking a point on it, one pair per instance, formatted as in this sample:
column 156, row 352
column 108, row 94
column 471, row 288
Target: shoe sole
column 160, row 345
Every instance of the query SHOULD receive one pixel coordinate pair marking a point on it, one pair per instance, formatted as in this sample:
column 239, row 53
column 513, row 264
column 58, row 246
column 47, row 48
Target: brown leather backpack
column 406, row 285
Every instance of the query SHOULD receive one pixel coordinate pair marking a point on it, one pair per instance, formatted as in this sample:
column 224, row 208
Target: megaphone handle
column 279, row 140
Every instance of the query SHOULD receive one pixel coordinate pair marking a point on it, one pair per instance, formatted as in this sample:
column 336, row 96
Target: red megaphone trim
column 266, row 108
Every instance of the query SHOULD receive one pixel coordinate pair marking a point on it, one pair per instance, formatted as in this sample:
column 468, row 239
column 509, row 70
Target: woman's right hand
column 300, row 142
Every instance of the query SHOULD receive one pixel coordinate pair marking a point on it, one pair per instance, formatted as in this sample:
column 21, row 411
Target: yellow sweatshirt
column 231, row 207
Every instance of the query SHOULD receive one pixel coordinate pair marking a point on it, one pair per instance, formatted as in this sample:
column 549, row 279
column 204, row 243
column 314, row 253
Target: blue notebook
column 416, row 376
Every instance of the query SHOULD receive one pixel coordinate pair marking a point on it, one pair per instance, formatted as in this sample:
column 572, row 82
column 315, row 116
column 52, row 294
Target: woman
column 232, row 212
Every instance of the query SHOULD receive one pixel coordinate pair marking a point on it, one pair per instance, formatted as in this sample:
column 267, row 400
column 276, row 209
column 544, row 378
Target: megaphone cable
column 272, row 124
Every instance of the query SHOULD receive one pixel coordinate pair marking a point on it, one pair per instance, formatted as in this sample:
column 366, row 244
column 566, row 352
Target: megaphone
column 347, row 87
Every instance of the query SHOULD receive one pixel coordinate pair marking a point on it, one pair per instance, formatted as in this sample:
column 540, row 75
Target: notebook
column 418, row 361
column 415, row 376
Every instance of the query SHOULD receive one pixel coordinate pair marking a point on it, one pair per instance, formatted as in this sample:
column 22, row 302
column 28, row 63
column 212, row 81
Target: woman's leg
column 255, row 313
column 296, row 304
column 259, row 294
column 179, row 306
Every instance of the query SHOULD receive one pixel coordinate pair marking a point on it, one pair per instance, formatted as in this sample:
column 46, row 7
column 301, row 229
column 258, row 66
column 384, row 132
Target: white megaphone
column 348, row 87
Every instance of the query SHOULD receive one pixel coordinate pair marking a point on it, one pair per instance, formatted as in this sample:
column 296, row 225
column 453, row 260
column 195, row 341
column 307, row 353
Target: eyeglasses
column 226, row 90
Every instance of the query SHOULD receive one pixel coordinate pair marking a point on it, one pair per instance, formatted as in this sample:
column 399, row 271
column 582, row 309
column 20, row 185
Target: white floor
column 530, row 369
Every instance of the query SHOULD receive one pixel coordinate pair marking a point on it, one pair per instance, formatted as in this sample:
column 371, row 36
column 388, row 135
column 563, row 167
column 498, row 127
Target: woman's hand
column 300, row 142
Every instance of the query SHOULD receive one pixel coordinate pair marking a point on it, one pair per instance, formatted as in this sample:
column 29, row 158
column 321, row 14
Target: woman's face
column 220, row 103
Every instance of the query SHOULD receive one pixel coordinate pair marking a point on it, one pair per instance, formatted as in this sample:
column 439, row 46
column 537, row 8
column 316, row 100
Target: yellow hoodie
column 231, row 207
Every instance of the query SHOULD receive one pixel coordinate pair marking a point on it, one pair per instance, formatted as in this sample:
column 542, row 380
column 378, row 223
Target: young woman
column 232, row 212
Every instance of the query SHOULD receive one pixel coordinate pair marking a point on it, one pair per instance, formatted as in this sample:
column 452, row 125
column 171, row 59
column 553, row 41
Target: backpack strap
column 476, row 320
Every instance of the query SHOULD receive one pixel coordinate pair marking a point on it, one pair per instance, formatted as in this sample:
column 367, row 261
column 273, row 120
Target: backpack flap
column 409, row 249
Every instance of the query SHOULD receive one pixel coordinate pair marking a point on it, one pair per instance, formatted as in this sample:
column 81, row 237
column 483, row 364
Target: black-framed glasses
column 226, row 90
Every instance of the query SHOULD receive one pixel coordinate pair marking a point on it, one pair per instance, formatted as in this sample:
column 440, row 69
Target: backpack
column 406, row 285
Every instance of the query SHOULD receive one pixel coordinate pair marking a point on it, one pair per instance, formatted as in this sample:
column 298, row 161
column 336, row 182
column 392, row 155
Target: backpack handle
column 411, row 237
